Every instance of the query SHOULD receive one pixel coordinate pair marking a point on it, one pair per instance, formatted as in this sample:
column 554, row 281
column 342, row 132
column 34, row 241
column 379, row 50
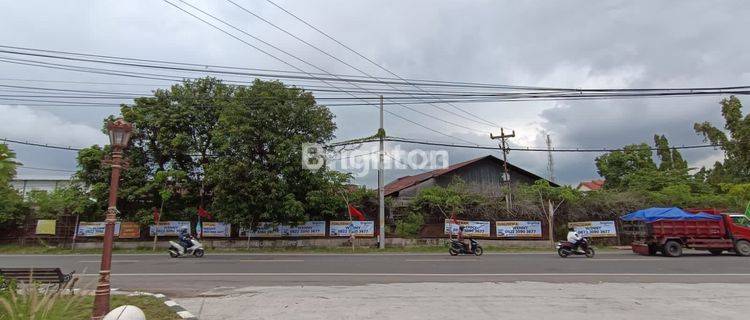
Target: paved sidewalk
column 520, row 300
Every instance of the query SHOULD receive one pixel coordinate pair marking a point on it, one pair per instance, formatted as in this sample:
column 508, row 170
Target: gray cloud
column 575, row 44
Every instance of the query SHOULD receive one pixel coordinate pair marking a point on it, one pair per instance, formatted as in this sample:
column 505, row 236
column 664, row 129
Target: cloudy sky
column 602, row 44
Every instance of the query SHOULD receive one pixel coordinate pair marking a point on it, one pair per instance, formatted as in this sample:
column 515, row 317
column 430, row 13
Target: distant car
column 740, row 219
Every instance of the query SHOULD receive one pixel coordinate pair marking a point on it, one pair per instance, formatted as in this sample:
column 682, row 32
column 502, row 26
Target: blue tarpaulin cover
column 656, row 214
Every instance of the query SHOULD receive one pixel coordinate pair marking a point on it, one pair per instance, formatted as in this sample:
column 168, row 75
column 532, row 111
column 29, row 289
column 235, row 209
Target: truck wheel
column 672, row 249
column 742, row 248
column 715, row 252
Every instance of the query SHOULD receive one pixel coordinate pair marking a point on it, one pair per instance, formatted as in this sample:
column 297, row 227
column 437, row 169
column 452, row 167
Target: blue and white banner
column 347, row 228
column 168, row 228
column 94, row 229
column 216, row 229
column 471, row 228
column 518, row 229
column 594, row 228
column 272, row 230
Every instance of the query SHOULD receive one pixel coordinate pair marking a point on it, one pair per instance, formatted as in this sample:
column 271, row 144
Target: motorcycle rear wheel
column 198, row 253
column 453, row 252
column 563, row 253
column 173, row 254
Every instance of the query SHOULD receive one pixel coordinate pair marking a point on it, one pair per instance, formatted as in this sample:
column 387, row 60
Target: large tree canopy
column 235, row 150
column 11, row 203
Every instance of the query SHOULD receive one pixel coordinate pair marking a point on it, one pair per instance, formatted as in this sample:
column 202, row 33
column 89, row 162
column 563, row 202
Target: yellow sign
column 130, row 230
column 45, row 226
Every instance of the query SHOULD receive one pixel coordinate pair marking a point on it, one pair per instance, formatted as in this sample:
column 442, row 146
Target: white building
column 26, row 185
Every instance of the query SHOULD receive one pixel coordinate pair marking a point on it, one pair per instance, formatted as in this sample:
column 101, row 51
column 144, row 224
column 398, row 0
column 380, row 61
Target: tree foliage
column 12, row 207
column 736, row 145
column 235, row 150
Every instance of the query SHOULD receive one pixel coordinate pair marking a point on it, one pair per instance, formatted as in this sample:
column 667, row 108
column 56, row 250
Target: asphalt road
column 218, row 273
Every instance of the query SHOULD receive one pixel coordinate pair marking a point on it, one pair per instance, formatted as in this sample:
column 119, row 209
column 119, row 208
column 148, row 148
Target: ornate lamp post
column 119, row 134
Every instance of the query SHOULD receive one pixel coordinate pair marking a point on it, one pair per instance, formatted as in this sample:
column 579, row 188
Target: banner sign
column 216, row 229
column 308, row 229
column 594, row 228
column 128, row 230
column 168, row 228
column 46, row 226
column 271, row 230
column 95, row 229
column 347, row 228
column 518, row 229
column 263, row 230
column 471, row 228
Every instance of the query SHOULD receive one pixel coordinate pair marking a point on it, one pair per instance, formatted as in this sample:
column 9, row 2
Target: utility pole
column 381, row 190
column 550, row 163
column 506, row 175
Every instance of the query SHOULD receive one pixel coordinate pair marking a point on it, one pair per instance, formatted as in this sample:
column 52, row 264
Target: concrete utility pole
column 506, row 175
column 381, row 190
column 550, row 163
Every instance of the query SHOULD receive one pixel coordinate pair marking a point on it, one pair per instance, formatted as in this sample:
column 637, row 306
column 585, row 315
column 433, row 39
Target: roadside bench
column 50, row 276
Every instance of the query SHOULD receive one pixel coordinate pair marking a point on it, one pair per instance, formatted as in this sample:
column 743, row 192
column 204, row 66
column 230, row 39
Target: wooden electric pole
column 506, row 175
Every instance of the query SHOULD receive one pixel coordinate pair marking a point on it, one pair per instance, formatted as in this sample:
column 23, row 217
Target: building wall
column 27, row 185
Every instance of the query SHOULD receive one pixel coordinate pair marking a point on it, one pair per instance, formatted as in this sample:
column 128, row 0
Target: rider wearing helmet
column 184, row 237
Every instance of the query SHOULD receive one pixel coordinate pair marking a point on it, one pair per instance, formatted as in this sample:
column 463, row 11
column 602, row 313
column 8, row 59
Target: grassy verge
column 14, row 249
column 48, row 306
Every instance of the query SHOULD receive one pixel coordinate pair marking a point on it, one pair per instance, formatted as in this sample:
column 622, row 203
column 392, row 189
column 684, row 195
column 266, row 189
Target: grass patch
column 154, row 308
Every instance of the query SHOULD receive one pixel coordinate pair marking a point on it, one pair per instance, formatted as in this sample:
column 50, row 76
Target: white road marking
column 269, row 260
column 440, row 260
column 113, row 261
column 276, row 274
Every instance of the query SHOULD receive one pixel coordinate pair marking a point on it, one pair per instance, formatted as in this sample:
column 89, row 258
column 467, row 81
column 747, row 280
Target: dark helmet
column 571, row 229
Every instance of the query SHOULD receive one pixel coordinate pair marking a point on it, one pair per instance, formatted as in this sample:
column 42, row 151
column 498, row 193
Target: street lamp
column 119, row 135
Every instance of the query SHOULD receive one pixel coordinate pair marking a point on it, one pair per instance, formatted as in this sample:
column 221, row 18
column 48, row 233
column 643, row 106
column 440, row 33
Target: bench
column 48, row 276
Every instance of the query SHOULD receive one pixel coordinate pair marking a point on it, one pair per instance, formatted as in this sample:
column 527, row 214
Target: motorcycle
column 565, row 248
column 196, row 249
column 457, row 248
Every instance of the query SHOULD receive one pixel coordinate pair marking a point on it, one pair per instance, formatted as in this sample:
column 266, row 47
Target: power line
column 366, row 58
column 295, row 67
column 46, row 169
column 482, row 122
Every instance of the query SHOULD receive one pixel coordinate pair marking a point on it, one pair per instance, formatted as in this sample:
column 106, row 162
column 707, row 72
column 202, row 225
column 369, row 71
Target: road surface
column 216, row 274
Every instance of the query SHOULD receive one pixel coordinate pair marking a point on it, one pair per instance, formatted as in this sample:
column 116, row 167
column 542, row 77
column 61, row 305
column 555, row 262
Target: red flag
column 156, row 215
column 356, row 213
column 453, row 218
column 203, row 213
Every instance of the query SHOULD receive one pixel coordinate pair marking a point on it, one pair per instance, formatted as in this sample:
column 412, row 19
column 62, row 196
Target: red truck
column 670, row 236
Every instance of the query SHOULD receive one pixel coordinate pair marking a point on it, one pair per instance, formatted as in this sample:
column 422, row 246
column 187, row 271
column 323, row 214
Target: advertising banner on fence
column 271, row 230
column 594, row 228
column 129, row 230
column 347, row 228
column 95, row 229
column 263, row 230
column 471, row 228
column 216, row 229
column 518, row 229
column 46, row 226
column 168, row 228
column 308, row 229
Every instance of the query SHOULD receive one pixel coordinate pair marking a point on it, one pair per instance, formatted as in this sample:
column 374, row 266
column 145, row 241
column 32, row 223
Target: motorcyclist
column 574, row 238
column 461, row 239
column 185, row 239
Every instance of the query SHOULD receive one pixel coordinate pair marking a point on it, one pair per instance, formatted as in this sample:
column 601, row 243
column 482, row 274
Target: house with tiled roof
column 591, row 185
column 482, row 175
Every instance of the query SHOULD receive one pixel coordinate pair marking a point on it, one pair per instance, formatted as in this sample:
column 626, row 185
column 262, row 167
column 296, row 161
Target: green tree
column 12, row 207
column 736, row 146
column 257, row 174
column 617, row 165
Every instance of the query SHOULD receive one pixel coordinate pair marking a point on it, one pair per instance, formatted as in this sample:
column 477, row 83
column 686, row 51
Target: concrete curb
column 181, row 312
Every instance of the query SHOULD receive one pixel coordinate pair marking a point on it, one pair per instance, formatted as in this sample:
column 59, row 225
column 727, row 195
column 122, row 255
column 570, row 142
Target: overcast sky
column 603, row 44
